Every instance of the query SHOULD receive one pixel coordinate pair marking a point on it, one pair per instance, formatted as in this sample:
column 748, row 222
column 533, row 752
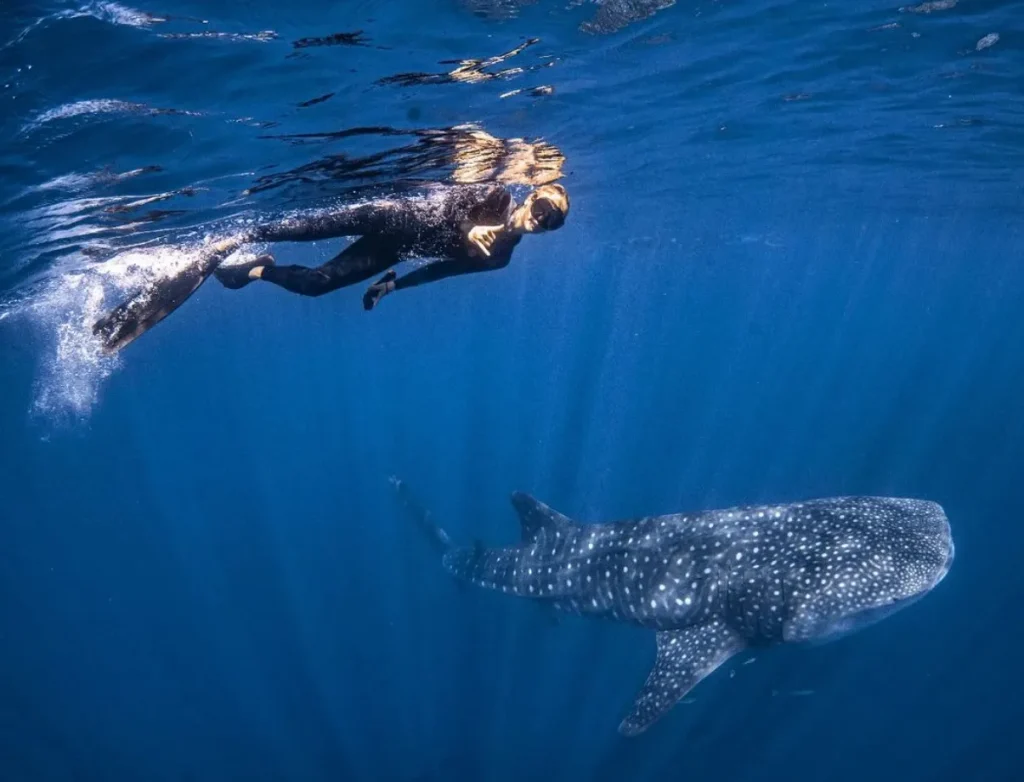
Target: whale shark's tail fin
column 423, row 518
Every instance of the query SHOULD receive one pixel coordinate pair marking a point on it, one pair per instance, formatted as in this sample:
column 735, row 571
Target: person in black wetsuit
column 466, row 228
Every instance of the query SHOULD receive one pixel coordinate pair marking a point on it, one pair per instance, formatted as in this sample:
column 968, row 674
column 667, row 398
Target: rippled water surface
column 791, row 269
column 129, row 127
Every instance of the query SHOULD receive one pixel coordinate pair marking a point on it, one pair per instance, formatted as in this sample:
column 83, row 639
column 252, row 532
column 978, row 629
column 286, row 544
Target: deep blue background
column 792, row 269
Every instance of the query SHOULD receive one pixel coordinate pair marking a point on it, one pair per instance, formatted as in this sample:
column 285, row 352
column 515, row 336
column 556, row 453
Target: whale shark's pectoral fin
column 684, row 658
column 535, row 515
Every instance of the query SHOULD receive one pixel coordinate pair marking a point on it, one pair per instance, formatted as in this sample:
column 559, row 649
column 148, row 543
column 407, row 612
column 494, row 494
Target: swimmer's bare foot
column 225, row 246
column 239, row 275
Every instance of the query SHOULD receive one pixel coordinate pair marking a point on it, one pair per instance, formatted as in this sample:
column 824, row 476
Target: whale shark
column 713, row 583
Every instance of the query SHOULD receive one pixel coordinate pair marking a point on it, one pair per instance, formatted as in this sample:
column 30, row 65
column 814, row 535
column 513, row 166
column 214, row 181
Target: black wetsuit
column 392, row 231
column 431, row 226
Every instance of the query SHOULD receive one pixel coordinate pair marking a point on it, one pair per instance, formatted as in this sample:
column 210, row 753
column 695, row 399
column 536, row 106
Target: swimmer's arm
column 439, row 270
column 429, row 273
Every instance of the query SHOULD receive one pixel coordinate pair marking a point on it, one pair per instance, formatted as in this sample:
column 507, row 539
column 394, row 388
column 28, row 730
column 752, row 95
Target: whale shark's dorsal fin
column 684, row 658
column 535, row 515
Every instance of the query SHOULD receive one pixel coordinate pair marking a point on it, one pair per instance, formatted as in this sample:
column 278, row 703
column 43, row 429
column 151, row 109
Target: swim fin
column 130, row 320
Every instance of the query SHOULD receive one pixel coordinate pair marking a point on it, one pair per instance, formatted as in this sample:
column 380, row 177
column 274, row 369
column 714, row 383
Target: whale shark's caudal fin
column 684, row 658
column 423, row 518
column 535, row 515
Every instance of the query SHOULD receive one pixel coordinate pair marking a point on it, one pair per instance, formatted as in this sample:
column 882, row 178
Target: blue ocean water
column 791, row 270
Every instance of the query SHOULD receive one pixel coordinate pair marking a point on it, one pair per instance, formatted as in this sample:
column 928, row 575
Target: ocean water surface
column 791, row 269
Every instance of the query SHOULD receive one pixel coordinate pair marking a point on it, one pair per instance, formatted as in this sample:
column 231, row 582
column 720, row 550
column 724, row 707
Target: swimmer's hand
column 482, row 237
column 379, row 290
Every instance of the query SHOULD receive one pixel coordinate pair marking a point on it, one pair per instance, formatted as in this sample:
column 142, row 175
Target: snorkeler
column 466, row 228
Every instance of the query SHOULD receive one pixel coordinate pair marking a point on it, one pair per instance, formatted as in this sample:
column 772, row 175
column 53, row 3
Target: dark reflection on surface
column 124, row 215
column 337, row 39
column 465, row 154
column 104, row 177
column 153, row 216
column 469, row 71
column 496, row 9
column 313, row 101
column 131, row 206
column 611, row 15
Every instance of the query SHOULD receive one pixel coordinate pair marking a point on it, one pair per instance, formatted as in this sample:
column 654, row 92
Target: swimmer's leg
column 239, row 275
column 130, row 320
column 372, row 218
column 358, row 262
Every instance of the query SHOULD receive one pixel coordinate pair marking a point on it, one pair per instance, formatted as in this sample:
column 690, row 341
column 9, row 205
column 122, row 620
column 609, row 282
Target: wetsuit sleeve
column 501, row 255
column 441, row 269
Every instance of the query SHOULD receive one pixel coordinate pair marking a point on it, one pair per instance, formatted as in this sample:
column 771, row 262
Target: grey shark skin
column 713, row 583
